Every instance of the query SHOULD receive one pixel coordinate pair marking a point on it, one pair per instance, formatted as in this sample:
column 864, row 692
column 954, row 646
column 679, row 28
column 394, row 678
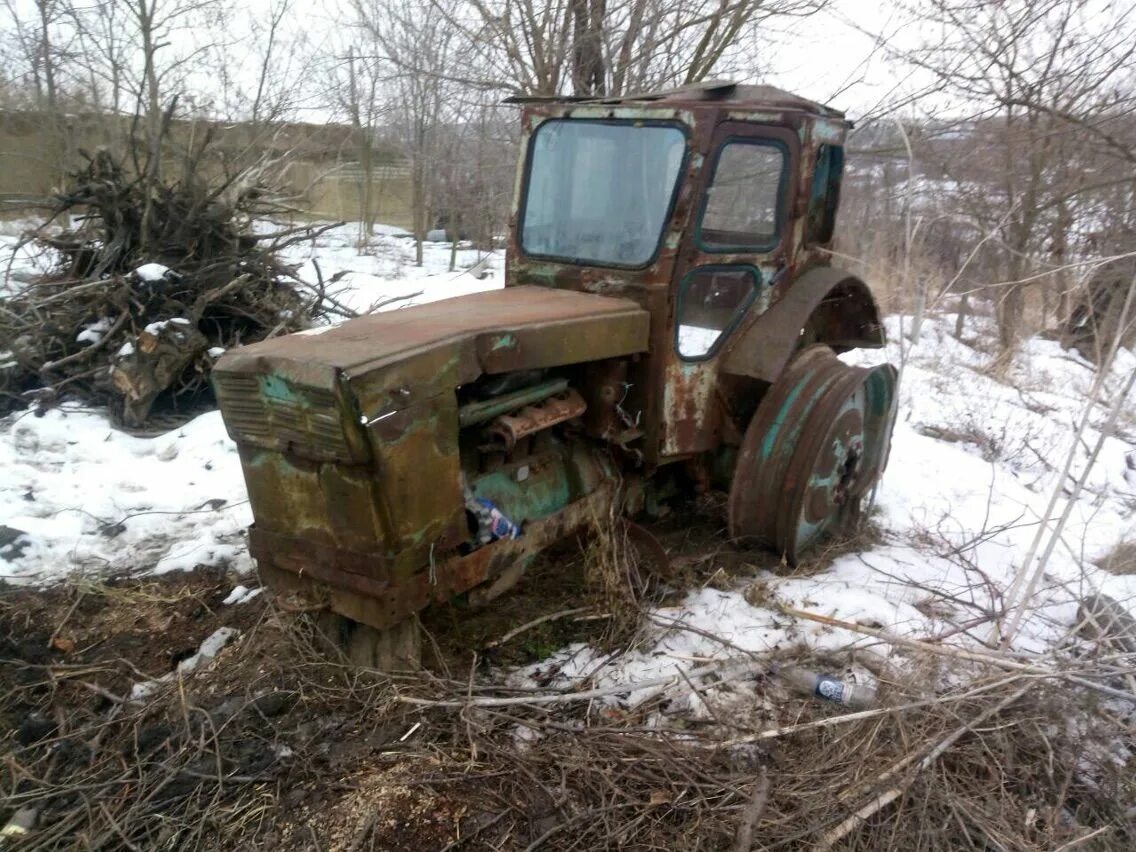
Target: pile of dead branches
column 150, row 281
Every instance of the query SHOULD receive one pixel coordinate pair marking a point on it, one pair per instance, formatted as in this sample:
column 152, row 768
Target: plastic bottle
column 856, row 696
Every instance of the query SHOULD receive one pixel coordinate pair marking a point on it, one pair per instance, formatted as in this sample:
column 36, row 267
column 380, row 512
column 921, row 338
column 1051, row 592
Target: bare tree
column 1039, row 79
column 356, row 83
column 422, row 52
column 608, row 46
column 38, row 46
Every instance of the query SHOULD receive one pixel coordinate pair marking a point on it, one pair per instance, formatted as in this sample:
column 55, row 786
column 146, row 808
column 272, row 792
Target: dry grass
column 281, row 745
column 1020, row 766
column 615, row 576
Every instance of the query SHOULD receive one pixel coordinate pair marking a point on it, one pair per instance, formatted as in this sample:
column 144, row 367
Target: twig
column 105, row 693
column 117, row 829
column 743, row 841
column 364, row 832
column 961, row 654
column 562, row 697
column 88, row 351
column 845, row 718
column 528, row 625
column 1073, row 844
column 63, row 622
column 884, row 799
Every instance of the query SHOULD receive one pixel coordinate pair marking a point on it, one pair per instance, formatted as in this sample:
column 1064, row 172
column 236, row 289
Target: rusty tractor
column 670, row 322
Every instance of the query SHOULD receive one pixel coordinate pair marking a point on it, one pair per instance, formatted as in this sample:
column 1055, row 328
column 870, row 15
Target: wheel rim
column 817, row 443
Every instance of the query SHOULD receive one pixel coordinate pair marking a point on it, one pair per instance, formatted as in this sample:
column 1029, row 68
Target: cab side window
column 711, row 300
column 743, row 204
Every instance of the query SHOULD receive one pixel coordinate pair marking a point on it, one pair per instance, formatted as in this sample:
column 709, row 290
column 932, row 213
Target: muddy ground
column 278, row 744
column 275, row 743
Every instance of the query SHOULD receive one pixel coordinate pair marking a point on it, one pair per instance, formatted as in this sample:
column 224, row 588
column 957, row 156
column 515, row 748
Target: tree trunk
column 455, row 229
column 1011, row 311
column 960, row 318
column 366, row 186
column 588, row 72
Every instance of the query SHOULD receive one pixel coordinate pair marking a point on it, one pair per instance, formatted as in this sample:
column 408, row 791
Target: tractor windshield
column 600, row 191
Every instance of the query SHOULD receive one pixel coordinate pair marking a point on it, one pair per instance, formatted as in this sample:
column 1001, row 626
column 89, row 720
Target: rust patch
column 510, row 428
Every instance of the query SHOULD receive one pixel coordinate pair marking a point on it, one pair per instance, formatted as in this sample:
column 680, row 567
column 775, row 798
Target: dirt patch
column 554, row 583
column 153, row 624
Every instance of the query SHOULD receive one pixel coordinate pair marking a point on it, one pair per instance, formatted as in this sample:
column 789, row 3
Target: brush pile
column 149, row 282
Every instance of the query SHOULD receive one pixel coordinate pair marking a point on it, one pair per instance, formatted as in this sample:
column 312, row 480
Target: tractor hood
column 309, row 393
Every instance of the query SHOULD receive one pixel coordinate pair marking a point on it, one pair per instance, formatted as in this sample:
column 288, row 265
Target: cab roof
column 716, row 93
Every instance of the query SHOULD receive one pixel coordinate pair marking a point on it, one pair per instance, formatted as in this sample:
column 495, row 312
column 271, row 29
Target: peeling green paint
column 544, row 491
column 504, row 341
column 275, row 387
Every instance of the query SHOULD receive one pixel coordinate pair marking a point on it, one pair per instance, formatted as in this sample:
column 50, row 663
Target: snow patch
column 241, row 594
column 208, row 649
column 93, row 499
column 93, row 333
column 152, row 272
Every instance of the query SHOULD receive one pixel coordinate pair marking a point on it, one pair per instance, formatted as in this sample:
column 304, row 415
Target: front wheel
column 818, row 441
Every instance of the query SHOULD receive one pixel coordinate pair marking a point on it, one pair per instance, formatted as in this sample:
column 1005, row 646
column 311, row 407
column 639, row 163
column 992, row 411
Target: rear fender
column 824, row 305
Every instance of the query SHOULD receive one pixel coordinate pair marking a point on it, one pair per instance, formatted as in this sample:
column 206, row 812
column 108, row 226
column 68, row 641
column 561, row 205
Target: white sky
column 833, row 56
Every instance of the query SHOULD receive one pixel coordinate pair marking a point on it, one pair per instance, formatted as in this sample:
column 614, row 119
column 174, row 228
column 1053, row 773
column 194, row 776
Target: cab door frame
column 692, row 414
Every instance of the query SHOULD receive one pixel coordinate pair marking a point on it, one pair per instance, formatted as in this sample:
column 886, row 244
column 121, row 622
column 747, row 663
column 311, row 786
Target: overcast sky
column 833, row 57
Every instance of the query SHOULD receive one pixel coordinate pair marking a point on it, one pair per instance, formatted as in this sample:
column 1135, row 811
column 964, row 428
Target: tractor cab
column 705, row 205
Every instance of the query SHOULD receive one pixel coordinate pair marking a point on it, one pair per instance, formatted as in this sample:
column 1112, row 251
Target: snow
column 210, row 647
column 93, row 499
column 93, row 332
column 156, row 328
column 241, row 594
column 977, row 452
column 152, row 272
column 386, row 275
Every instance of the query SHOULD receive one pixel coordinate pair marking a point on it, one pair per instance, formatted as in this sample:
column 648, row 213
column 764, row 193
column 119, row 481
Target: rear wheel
column 817, row 443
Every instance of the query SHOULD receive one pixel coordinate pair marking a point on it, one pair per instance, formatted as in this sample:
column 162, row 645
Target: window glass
column 710, row 300
column 742, row 202
column 600, row 192
column 825, row 195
